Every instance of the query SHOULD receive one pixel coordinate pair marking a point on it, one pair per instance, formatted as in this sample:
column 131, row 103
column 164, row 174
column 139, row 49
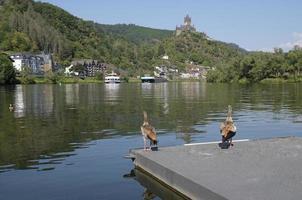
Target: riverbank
column 71, row 80
column 280, row 80
column 67, row 80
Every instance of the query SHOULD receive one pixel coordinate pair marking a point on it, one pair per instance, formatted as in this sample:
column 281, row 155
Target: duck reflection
column 148, row 195
column 153, row 188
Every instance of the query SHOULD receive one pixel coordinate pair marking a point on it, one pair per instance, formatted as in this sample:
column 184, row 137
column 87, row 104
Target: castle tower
column 187, row 26
column 187, row 21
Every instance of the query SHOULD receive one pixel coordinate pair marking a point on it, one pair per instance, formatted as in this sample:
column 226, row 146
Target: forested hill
column 28, row 26
column 136, row 34
column 197, row 47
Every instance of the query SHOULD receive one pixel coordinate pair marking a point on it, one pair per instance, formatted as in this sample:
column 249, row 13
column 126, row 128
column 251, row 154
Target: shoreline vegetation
column 76, row 80
column 72, row 80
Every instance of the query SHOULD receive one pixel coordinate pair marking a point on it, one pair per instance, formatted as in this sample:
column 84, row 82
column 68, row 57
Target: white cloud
column 296, row 41
column 297, row 35
column 286, row 46
column 267, row 49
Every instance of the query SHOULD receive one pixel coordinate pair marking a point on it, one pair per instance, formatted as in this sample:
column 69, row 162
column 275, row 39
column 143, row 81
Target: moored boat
column 152, row 79
column 112, row 78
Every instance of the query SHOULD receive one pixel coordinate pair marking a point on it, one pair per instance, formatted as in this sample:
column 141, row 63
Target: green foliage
column 214, row 76
column 78, row 68
column 136, row 34
column 19, row 42
column 258, row 66
column 26, row 77
column 7, row 72
column 99, row 76
column 54, row 77
column 197, row 48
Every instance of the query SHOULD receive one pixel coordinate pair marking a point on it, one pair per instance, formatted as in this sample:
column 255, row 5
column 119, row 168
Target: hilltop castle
column 186, row 26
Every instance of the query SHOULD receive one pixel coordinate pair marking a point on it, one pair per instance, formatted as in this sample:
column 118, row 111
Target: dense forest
column 29, row 26
column 258, row 66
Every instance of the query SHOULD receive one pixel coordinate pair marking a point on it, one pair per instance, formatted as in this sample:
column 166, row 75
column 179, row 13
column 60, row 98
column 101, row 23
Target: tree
column 7, row 71
column 160, row 50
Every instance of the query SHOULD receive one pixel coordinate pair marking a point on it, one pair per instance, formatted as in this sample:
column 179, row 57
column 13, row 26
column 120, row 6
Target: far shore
column 73, row 80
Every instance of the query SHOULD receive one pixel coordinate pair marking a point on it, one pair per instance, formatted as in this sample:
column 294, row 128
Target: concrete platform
column 258, row 169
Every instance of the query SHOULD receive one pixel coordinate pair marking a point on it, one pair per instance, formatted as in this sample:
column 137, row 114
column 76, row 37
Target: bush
column 26, row 77
column 7, row 71
column 99, row 76
column 53, row 78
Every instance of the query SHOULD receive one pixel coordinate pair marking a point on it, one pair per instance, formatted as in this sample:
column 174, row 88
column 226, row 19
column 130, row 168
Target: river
column 68, row 141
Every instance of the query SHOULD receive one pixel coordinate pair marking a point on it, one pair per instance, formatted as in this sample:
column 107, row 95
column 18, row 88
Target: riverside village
column 43, row 64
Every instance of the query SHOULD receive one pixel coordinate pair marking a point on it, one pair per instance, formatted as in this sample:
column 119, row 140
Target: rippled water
column 68, row 141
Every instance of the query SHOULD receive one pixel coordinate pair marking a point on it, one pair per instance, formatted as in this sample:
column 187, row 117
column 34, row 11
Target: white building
column 17, row 62
column 33, row 63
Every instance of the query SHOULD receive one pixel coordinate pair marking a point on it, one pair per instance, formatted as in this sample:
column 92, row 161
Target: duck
column 11, row 107
column 228, row 128
column 148, row 133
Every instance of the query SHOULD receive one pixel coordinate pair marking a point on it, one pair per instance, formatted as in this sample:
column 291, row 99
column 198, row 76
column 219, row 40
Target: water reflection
column 147, row 89
column 44, row 162
column 72, row 94
column 112, row 93
column 36, row 99
column 191, row 90
column 153, row 188
column 19, row 105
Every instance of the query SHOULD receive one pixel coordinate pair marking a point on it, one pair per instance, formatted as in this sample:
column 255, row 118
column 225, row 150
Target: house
column 90, row 67
column 34, row 64
column 165, row 71
column 185, row 75
column 48, row 62
column 195, row 71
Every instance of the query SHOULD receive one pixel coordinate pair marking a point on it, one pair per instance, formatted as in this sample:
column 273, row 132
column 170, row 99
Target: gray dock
column 258, row 169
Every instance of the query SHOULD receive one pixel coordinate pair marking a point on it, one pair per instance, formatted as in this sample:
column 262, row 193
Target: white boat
column 112, row 78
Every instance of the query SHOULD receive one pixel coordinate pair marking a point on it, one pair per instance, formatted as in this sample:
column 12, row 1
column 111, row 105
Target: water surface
column 68, row 141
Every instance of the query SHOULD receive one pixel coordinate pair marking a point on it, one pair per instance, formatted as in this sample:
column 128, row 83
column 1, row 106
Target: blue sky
column 254, row 25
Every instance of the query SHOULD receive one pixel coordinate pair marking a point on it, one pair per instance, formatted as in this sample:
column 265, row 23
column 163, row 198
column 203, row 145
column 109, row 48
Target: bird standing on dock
column 228, row 128
column 148, row 132
column 11, row 108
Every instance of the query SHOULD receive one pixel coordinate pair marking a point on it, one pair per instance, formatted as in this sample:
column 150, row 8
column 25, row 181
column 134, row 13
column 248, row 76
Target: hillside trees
column 257, row 66
column 36, row 30
column 7, row 72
